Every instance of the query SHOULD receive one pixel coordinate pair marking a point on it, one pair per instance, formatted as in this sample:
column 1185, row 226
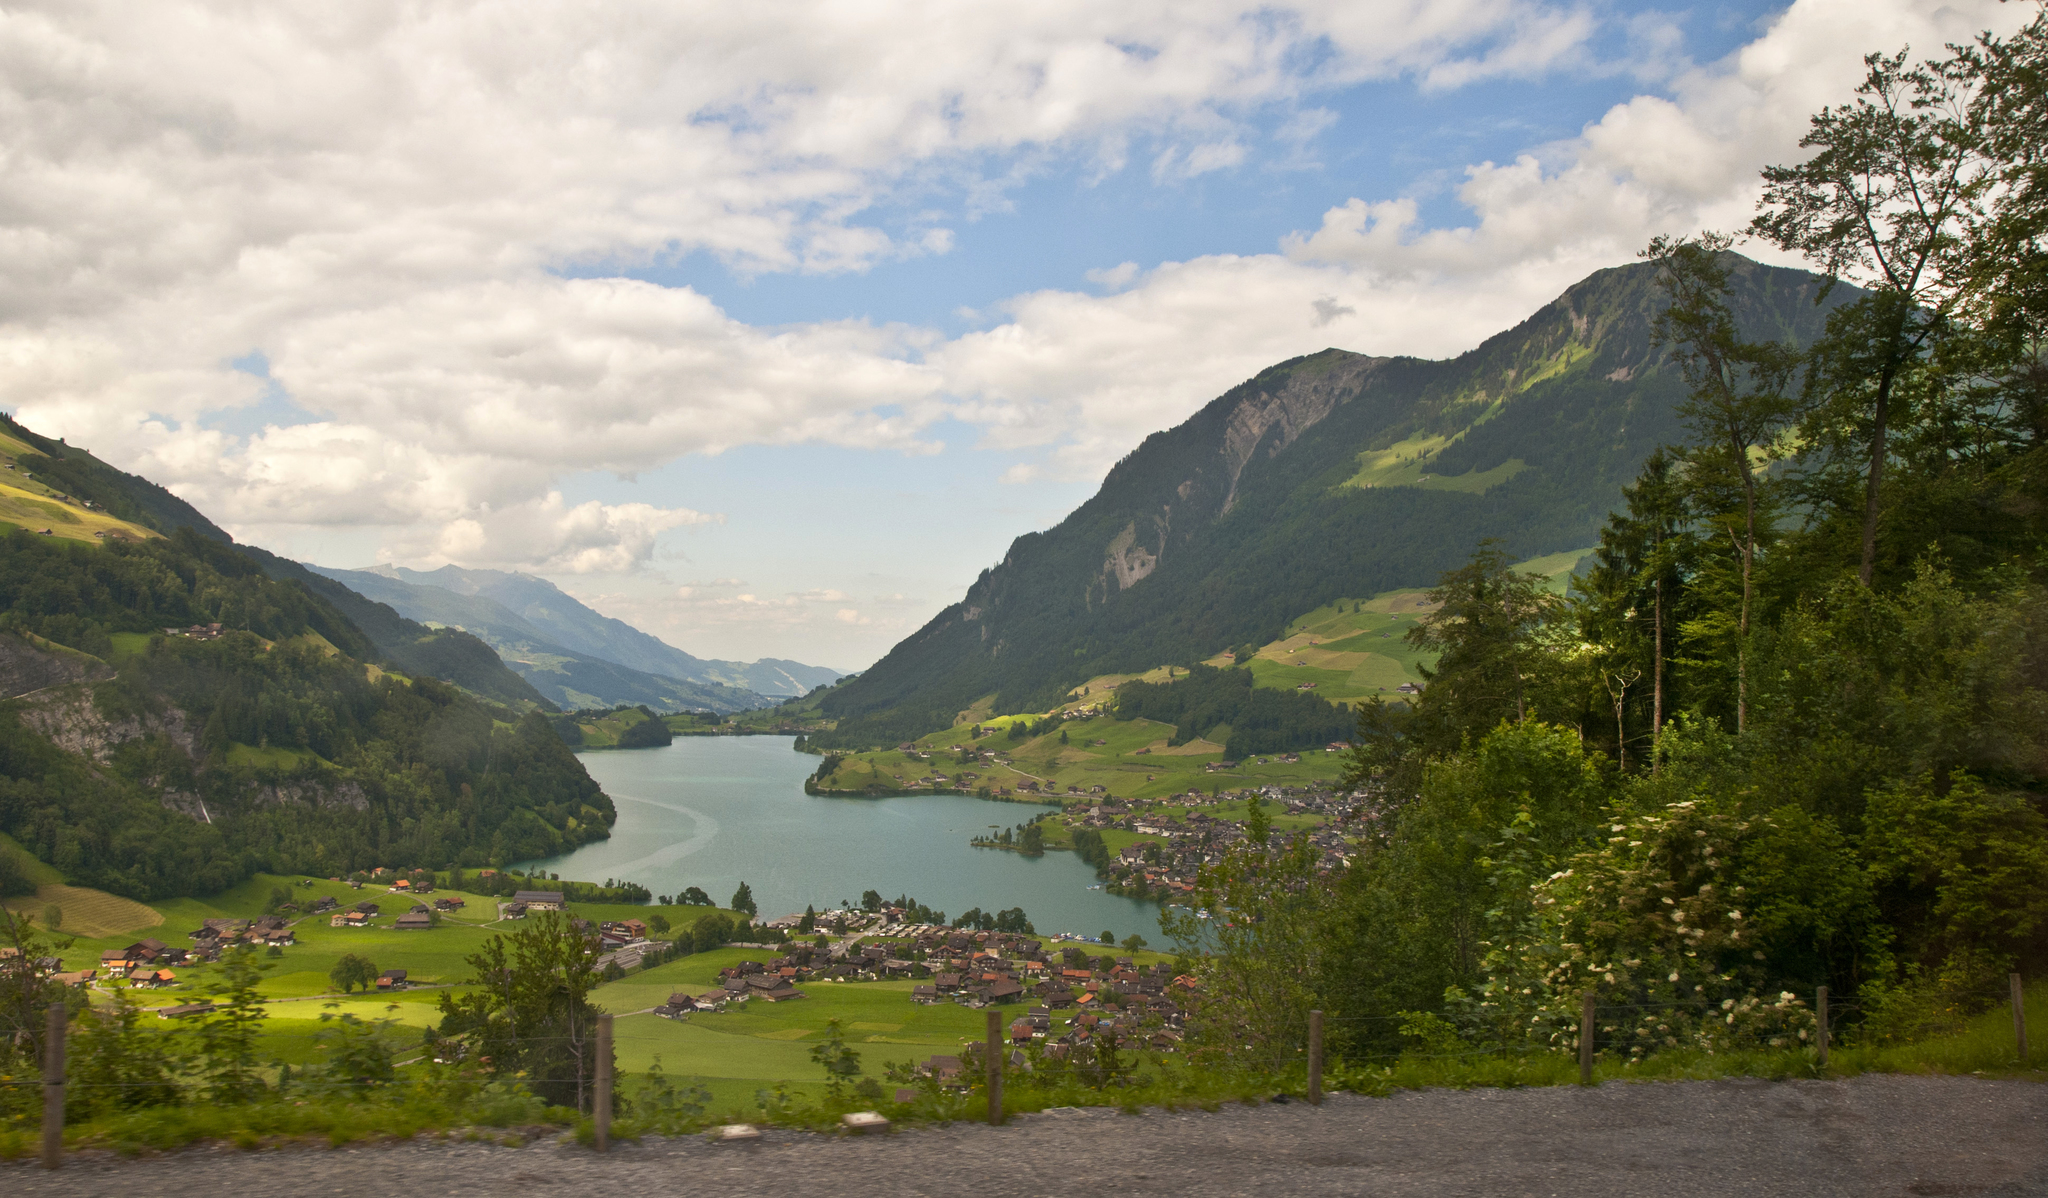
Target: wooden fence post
column 2019, row 1016
column 1586, row 1039
column 1820, row 1019
column 1315, row 1057
column 601, row 1108
column 995, row 1066
column 53, row 1089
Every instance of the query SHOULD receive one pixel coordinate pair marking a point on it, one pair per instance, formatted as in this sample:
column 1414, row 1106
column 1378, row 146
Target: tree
column 1262, row 947
column 1637, row 579
column 1134, row 942
column 1033, row 840
column 25, row 994
column 694, row 896
column 115, row 1064
column 841, row 1064
column 711, row 931
column 1258, row 826
column 809, row 923
column 1737, row 403
column 527, row 1008
column 1484, row 631
column 352, row 971
column 743, row 900
column 1894, row 193
column 658, row 924
column 227, row 1036
column 870, row 901
column 1378, row 743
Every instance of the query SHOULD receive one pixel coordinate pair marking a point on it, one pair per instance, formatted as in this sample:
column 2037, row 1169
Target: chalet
column 924, row 994
column 540, row 900
column 146, row 950
column 447, row 904
column 945, row 1069
column 414, row 921
column 184, row 1011
column 511, row 910
column 392, row 979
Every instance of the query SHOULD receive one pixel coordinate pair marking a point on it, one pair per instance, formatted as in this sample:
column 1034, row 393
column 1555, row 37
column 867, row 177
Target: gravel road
column 1865, row 1137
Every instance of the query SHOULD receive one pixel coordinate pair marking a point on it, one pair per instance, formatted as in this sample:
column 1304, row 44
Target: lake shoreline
column 714, row 811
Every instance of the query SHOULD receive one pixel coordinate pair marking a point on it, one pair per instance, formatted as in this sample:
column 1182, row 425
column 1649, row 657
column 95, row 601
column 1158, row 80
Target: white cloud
column 391, row 203
column 386, row 200
column 549, row 535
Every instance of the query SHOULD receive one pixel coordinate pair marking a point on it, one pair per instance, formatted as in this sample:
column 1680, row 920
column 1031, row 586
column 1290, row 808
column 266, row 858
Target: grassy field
column 758, row 1044
column 1128, row 758
column 604, row 732
column 431, row 957
column 25, row 503
column 736, row 1052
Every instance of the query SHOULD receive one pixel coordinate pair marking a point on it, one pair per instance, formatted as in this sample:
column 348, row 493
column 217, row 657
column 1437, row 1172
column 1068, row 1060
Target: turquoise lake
column 714, row 811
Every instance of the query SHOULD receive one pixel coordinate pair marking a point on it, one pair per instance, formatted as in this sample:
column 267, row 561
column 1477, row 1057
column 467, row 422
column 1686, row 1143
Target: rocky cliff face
column 74, row 723
column 26, row 668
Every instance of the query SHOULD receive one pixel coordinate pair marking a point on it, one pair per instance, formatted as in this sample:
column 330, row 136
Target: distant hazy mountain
column 570, row 653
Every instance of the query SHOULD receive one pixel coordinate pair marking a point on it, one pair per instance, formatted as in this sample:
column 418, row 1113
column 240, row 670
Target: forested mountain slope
column 412, row 648
column 151, row 764
column 1332, row 474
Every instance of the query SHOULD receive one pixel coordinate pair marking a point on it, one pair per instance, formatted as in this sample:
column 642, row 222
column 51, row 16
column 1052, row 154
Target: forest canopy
column 275, row 746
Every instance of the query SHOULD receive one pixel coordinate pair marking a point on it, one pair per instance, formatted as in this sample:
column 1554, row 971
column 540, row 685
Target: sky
column 767, row 327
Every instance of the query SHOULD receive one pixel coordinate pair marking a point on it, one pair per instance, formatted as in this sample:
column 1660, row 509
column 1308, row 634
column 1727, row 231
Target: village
column 1157, row 848
column 1071, row 999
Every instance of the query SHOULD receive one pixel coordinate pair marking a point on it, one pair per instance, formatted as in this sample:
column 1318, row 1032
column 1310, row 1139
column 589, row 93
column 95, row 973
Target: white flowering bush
column 1659, row 923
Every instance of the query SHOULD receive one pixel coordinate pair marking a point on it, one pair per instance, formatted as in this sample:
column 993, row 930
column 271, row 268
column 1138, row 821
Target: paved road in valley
column 1866, row 1137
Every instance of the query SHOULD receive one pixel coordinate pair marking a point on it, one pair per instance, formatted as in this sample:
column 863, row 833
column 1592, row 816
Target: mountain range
column 571, row 654
column 1336, row 474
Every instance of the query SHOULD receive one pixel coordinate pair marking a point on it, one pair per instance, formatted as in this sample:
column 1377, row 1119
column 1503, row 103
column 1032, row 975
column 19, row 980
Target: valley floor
column 1866, row 1137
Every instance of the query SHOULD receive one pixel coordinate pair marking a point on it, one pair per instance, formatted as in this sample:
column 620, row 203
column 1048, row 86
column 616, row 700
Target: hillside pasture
column 87, row 913
column 29, row 505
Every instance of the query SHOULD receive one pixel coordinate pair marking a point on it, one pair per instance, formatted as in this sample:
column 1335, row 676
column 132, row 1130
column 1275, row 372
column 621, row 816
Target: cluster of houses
column 197, row 632
column 215, row 936
column 150, row 963
column 1076, row 998
column 1167, row 862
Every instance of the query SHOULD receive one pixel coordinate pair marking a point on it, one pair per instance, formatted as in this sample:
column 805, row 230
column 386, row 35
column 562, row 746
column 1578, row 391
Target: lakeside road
column 1863, row 1137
